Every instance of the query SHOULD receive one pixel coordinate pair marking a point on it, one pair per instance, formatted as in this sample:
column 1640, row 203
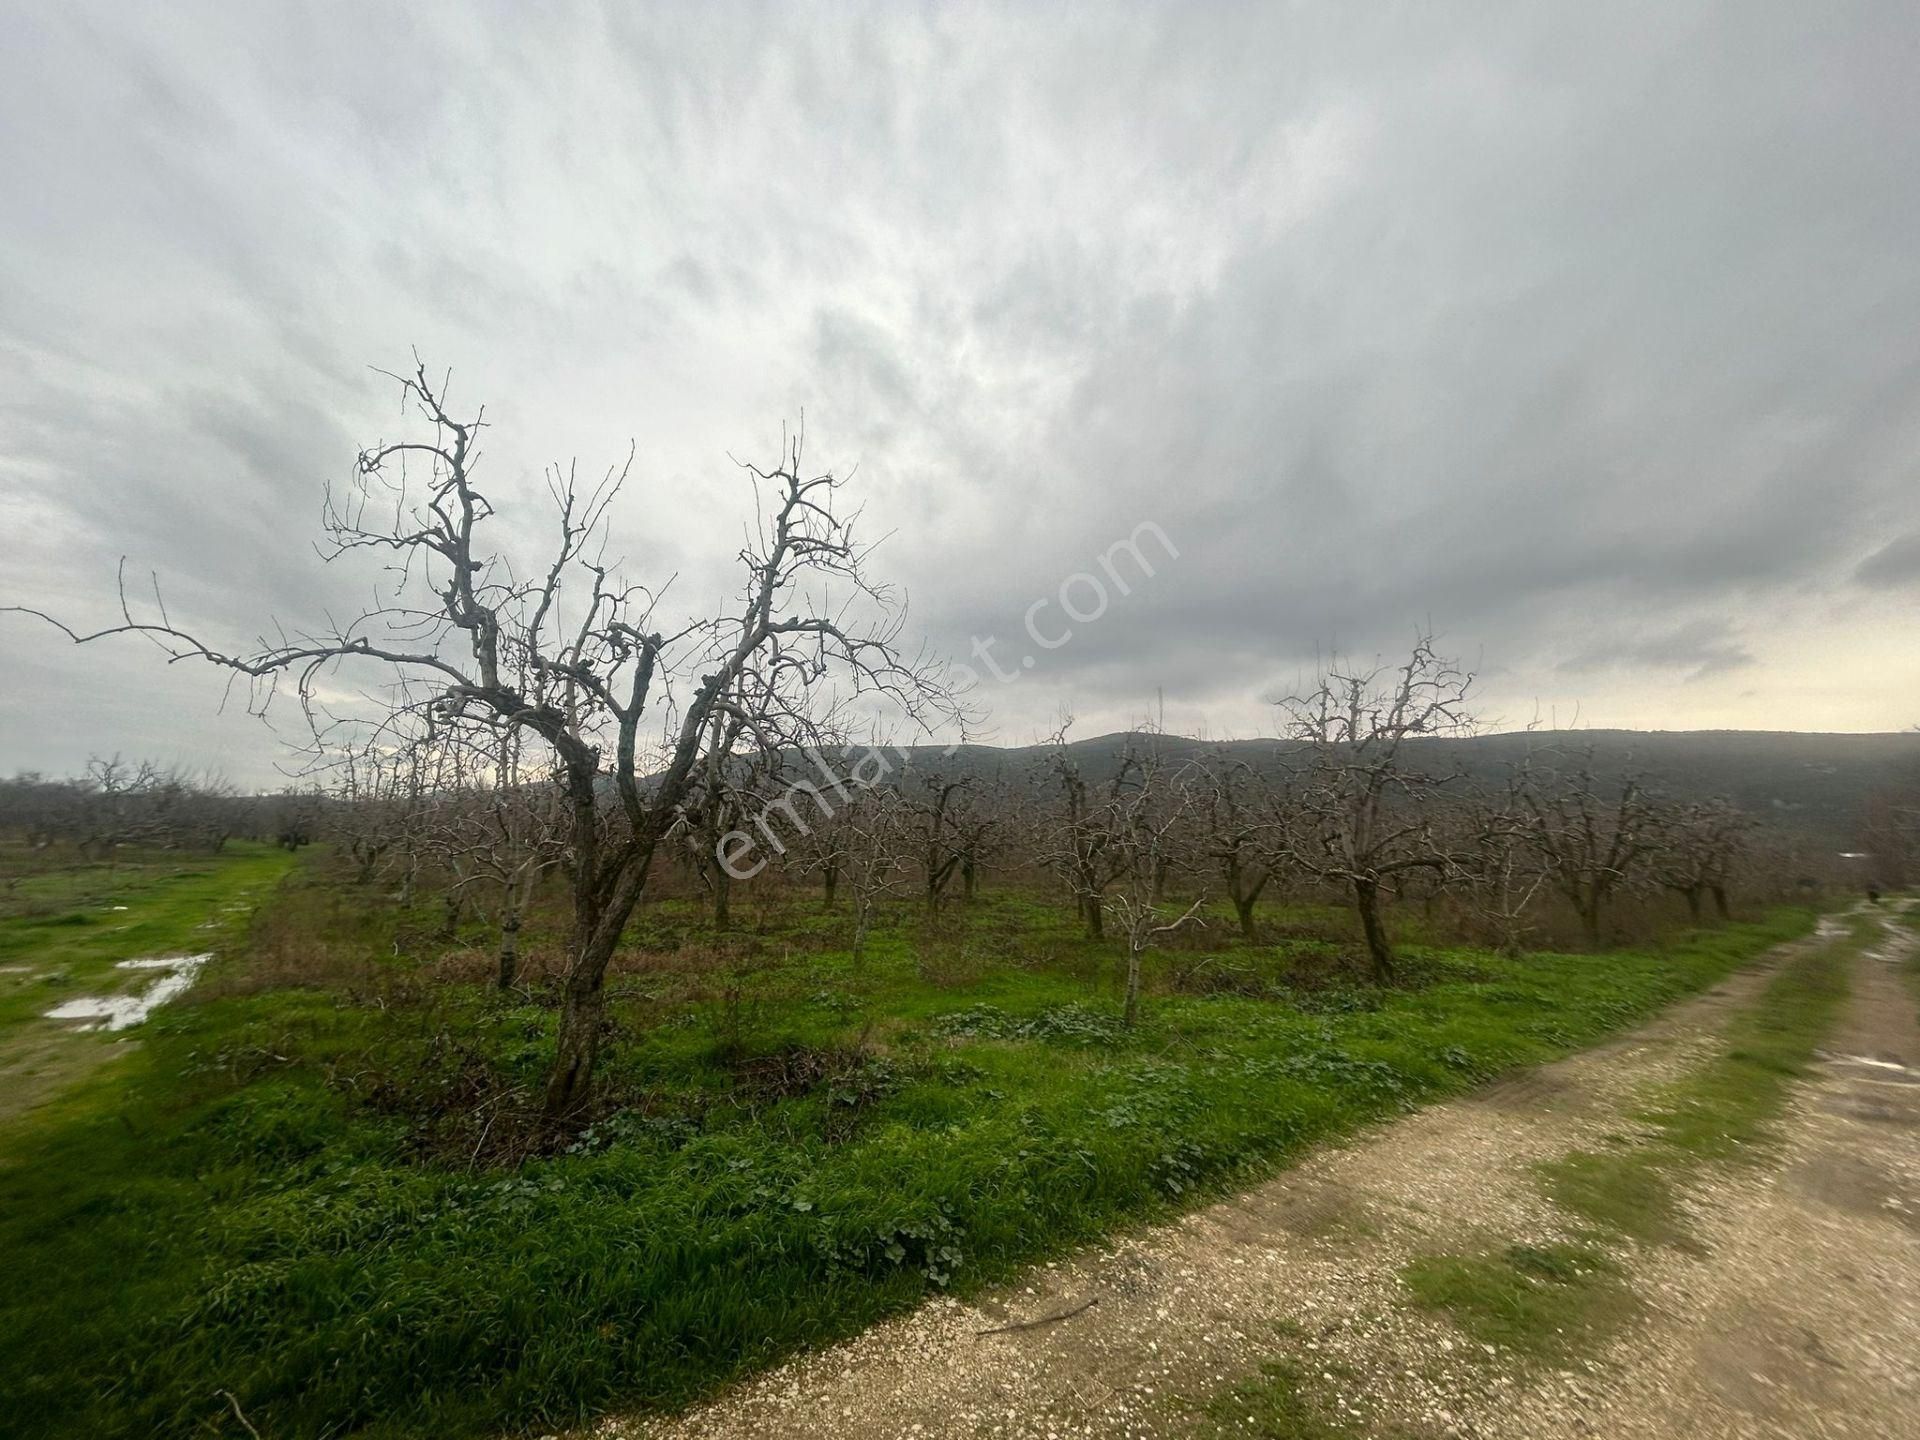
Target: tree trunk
column 599, row 919
column 863, row 920
column 1692, row 892
column 722, row 898
column 829, row 882
column 1720, row 906
column 1133, row 983
column 1096, row 924
column 1366, row 900
column 578, row 1041
column 969, row 880
column 1243, row 907
column 509, row 950
column 1590, row 920
column 450, row 915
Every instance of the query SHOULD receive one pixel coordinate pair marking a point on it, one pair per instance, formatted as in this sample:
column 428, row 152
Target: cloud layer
column 1588, row 335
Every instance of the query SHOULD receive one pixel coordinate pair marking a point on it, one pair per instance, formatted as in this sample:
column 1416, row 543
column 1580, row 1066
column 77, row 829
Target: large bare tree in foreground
column 577, row 659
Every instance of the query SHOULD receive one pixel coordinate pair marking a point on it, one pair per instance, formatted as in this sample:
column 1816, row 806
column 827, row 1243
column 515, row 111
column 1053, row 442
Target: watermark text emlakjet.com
column 1050, row 622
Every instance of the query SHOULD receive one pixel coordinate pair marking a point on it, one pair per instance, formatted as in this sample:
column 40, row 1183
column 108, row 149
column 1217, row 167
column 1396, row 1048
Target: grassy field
column 64, row 926
column 314, row 1184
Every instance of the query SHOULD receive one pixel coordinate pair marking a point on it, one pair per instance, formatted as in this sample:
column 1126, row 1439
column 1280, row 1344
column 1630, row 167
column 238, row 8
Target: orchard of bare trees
column 568, row 885
column 489, row 797
column 544, row 734
column 1146, row 837
column 117, row 803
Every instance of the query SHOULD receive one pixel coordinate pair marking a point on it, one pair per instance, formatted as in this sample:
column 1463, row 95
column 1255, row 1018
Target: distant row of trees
column 1890, row 833
column 117, row 803
column 1339, row 810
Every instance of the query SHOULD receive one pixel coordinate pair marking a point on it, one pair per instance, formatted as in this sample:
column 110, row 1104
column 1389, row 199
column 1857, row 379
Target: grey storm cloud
column 1894, row 564
column 1701, row 648
column 1588, row 335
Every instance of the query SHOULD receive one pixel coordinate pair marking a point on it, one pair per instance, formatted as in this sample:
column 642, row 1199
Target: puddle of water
column 117, row 1012
column 1869, row 1060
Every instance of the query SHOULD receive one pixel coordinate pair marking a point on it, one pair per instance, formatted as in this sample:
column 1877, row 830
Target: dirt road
column 1804, row 1321
column 1795, row 1310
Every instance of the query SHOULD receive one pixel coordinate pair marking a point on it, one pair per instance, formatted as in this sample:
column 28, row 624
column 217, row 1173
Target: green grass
column 1292, row 1397
column 69, row 927
column 1545, row 1302
column 303, row 1189
column 1550, row 1302
column 1281, row 1403
column 63, row 928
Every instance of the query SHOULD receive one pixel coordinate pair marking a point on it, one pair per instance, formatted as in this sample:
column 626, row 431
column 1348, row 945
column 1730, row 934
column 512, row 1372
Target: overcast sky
column 1587, row 334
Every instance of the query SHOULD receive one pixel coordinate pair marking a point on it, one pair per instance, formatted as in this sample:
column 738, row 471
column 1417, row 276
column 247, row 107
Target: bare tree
column 1080, row 838
column 1240, row 826
column 1148, row 829
column 118, row 803
column 718, row 801
column 1699, row 845
column 40, row 810
column 578, row 659
column 1593, row 834
column 877, row 833
column 294, row 817
column 980, row 827
column 1497, row 863
column 498, row 837
column 822, row 852
column 370, row 796
column 959, row 822
column 1362, row 815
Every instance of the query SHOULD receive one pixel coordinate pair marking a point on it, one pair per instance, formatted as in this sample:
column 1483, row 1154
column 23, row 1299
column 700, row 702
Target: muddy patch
column 118, row 1012
column 1767, row 1365
column 1855, row 1185
column 1532, row 1091
column 1867, row 1087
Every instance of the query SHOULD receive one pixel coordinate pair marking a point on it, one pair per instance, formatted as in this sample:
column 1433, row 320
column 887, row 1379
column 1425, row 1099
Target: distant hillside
column 1812, row 783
